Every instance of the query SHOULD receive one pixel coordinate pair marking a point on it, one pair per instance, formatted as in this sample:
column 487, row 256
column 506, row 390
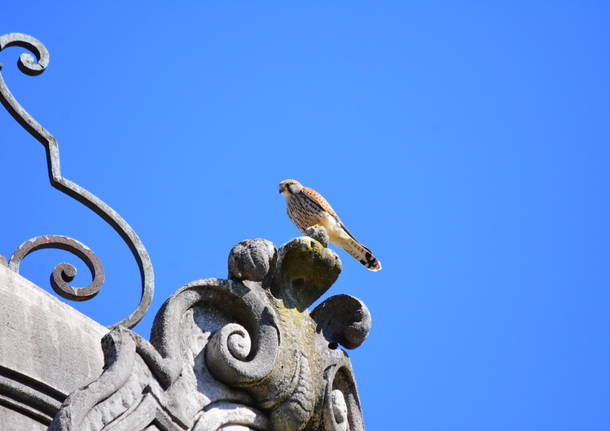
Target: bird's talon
column 318, row 233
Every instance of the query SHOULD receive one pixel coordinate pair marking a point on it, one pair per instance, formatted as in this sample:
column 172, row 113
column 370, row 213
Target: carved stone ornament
column 237, row 354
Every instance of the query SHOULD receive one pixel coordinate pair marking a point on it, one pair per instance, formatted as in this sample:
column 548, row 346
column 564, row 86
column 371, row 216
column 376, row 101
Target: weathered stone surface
column 305, row 270
column 343, row 320
column 251, row 260
column 47, row 350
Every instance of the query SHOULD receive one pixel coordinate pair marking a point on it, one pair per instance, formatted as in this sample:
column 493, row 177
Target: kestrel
column 307, row 208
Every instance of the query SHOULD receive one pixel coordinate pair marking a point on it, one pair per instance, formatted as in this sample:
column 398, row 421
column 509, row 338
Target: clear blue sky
column 466, row 143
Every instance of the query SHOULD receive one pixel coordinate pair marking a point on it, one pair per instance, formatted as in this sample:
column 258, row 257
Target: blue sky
column 467, row 144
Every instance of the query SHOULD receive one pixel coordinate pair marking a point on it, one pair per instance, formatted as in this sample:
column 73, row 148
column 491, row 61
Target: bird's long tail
column 361, row 253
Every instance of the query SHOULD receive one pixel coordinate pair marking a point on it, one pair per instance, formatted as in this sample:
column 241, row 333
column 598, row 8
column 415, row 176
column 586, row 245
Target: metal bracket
column 64, row 272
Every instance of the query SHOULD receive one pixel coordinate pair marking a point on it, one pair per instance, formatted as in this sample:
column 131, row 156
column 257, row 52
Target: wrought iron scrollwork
column 63, row 272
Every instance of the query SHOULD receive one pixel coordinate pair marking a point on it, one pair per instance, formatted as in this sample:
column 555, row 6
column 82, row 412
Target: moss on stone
column 305, row 270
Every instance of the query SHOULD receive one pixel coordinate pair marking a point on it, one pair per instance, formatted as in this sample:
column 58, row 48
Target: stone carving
column 237, row 354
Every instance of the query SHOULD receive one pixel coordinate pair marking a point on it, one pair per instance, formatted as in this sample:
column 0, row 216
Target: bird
column 307, row 208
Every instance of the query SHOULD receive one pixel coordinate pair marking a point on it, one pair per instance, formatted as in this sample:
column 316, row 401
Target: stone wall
column 47, row 350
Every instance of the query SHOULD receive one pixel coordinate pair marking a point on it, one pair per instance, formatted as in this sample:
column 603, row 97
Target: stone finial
column 251, row 260
column 305, row 271
column 343, row 320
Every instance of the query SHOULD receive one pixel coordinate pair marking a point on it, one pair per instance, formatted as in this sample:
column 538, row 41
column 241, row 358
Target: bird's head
column 290, row 187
